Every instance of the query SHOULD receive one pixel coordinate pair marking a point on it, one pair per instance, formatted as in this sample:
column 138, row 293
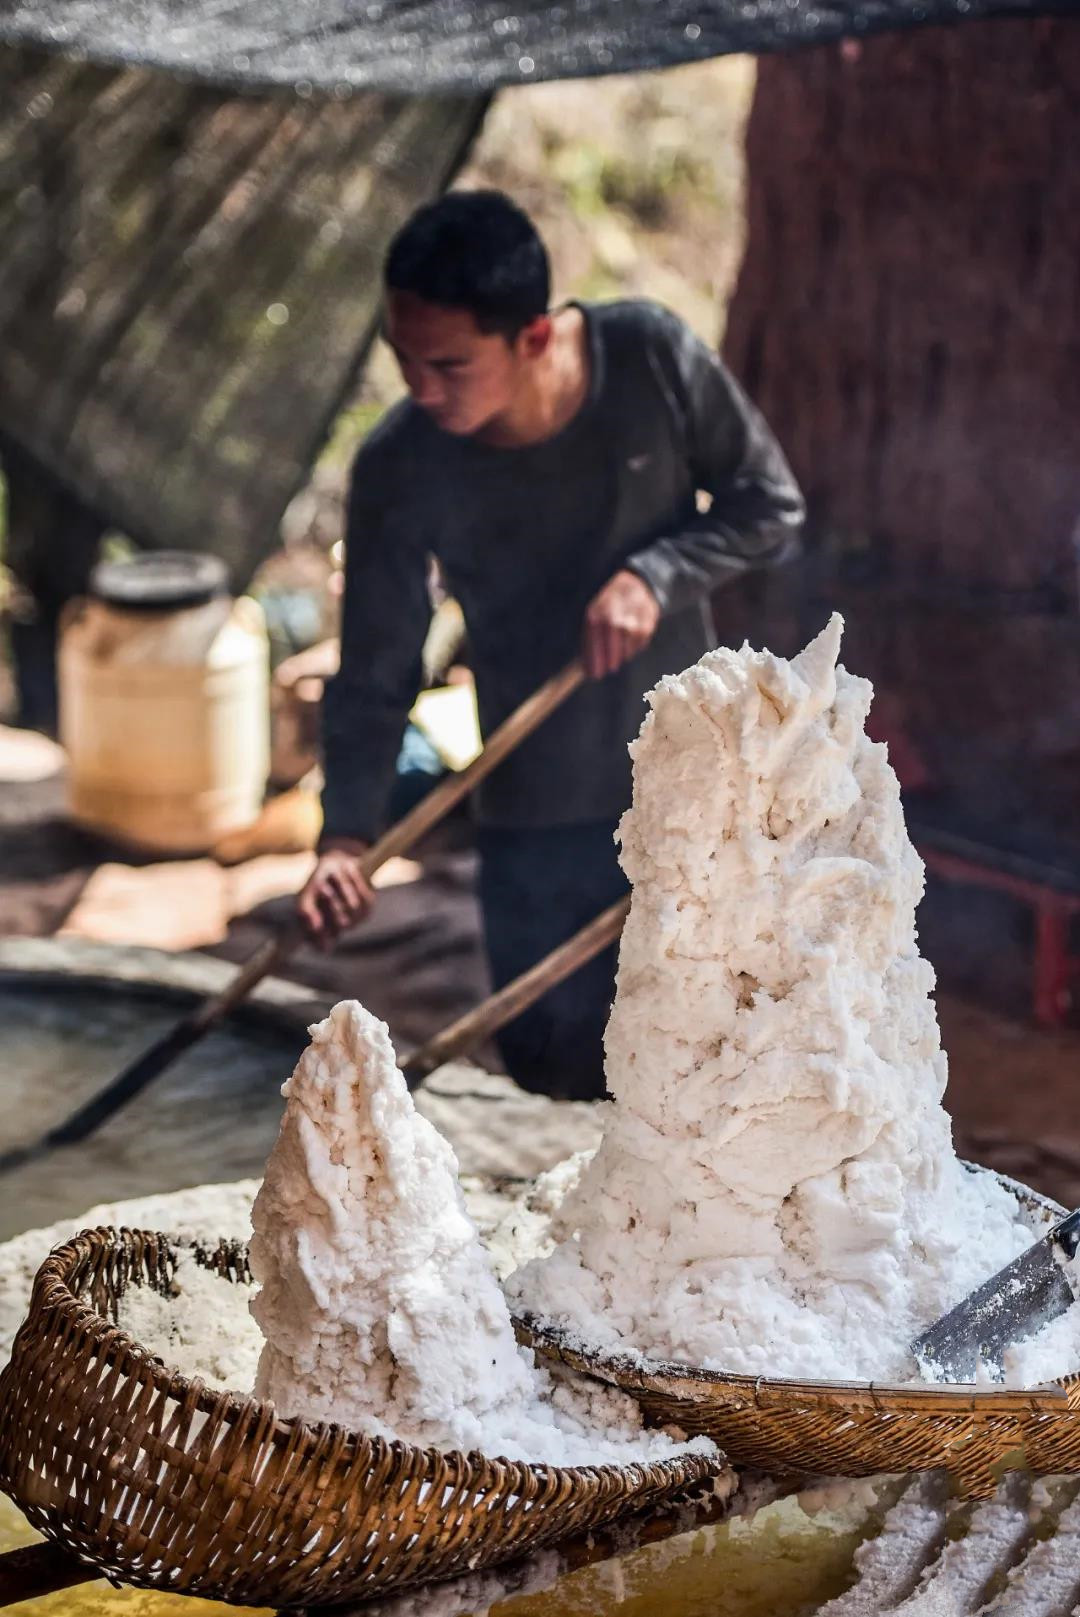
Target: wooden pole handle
column 34, row 1570
column 272, row 954
column 452, row 788
column 469, row 1030
column 274, row 951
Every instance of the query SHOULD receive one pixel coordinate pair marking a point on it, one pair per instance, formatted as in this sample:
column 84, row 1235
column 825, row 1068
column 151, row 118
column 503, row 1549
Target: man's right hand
column 337, row 892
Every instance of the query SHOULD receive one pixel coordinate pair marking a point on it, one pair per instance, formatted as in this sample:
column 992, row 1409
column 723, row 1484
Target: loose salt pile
column 1054, row 1349
column 200, row 1327
column 205, row 1329
column 377, row 1302
column 776, row 1189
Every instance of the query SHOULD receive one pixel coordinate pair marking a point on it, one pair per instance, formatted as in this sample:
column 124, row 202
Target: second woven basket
column 855, row 1428
column 164, row 1483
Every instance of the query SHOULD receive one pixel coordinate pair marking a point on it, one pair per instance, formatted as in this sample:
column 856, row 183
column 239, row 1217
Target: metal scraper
column 1009, row 1307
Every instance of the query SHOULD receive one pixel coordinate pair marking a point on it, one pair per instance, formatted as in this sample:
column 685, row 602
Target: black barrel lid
column 160, row 581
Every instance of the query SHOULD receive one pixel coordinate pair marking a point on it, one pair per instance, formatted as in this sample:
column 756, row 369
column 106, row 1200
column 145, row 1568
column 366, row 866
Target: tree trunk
column 51, row 545
column 908, row 318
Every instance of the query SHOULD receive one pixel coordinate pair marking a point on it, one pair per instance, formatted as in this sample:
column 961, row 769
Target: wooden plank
column 40, row 1569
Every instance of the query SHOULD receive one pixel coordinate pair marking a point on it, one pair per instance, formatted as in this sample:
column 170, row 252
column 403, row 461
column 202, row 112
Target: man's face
column 462, row 377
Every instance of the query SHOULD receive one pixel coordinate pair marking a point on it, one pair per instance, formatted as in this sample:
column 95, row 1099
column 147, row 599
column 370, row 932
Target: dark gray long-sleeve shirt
column 525, row 538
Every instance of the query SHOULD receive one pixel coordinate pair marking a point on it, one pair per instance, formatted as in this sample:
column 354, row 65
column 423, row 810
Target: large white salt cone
column 773, row 1054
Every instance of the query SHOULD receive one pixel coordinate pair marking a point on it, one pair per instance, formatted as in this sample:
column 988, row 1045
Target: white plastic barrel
column 165, row 704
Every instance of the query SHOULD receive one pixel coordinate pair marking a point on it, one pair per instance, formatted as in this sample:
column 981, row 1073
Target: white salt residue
column 997, row 1533
column 474, row 1595
column 933, row 1601
column 524, row 1229
column 1047, row 1581
column 1043, row 1500
column 888, row 1566
column 495, row 1127
column 203, row 1212
column 377, row 1302
column 1052, row 1351
column 776, row 1189
column 203, row 1328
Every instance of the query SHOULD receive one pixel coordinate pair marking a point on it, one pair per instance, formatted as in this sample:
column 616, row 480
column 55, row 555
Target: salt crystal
column 378, row 1304
column 776, row 1190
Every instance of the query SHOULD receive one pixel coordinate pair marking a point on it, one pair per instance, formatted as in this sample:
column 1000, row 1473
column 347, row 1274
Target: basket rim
column 631, row 1369
column 52, row 1291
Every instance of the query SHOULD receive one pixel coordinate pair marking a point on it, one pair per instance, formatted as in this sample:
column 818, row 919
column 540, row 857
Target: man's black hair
column 473, row 250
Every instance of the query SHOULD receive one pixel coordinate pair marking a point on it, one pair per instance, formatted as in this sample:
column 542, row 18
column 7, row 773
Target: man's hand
column 619, row 622
column 337, row 892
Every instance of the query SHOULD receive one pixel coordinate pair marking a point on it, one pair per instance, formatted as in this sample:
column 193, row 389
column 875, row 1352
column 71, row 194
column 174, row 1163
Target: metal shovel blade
column 1009, row 1307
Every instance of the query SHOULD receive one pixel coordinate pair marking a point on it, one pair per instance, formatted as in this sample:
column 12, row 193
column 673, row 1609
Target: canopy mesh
column 462, row 45
column 189, row 282
column 190, row 272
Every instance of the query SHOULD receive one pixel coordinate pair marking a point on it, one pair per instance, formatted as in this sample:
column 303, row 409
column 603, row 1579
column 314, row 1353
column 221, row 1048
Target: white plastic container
column 165, row 704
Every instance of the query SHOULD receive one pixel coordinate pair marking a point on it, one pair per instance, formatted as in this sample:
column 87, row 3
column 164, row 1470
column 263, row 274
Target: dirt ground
column 418, row 961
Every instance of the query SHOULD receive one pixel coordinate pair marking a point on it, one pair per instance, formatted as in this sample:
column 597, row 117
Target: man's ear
column 535, row 338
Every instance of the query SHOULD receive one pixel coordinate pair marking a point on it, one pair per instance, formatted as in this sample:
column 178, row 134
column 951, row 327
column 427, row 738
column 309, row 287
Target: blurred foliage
column 117, row 547
column 648, row 182
column 351, row 428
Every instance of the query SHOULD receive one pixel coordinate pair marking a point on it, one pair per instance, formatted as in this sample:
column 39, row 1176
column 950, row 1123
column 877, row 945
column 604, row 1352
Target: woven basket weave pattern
column 855, row 1429
column 167, row 1484
column 851, row 1428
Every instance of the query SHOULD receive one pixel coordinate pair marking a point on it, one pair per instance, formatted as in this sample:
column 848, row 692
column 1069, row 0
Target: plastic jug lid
column 160, row 580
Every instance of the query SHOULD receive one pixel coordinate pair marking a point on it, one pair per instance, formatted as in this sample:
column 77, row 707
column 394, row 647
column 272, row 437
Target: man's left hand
column 619, row 622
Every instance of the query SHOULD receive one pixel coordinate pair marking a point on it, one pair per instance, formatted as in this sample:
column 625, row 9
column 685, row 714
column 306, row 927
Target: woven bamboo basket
column 161, row 1482
column 857, row 1428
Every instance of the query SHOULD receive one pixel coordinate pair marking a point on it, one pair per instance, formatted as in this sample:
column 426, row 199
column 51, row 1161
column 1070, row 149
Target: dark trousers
column 537, row 888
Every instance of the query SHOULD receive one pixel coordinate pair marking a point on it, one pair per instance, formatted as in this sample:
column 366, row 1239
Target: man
column 551, row 460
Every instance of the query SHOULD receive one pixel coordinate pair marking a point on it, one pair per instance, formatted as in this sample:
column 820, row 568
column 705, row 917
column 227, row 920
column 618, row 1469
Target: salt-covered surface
column 978, row 1551
column 1052, row 1351
column 523, row 1229
column 377, row 1302
column 776, row 1189
column 1046, row 1583
column 889, row 1565
column 497, row 1128
column 494, row 1127
column 203, row 1212
column 202, row 1328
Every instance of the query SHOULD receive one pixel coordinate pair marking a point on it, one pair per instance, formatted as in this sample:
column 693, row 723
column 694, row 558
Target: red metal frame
column 1056, row 970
